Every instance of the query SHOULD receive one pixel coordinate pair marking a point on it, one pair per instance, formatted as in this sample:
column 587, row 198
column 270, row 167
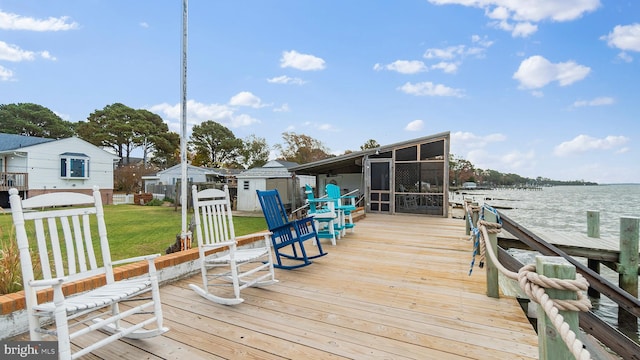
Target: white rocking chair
column 63, row 242
column 229, row 267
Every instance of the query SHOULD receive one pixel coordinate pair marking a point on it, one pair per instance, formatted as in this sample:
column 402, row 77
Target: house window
column 245, row 185
column 74, row 166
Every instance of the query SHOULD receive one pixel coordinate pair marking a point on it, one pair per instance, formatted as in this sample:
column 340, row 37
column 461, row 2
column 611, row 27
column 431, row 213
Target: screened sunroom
column 406, row 177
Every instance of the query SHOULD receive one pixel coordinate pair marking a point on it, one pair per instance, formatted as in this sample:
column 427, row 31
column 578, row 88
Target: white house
column 273, row 175
column 36, row 165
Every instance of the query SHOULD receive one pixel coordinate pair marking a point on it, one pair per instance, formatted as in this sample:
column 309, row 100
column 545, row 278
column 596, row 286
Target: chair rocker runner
column 229, row 267
column 288, row 237
column 66, row 252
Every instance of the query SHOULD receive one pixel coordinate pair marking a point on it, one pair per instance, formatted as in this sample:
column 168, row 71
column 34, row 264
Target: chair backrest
column 274, row 212
column 312, row 204
column 333, row 192
column 213, row 216
column 61, row 226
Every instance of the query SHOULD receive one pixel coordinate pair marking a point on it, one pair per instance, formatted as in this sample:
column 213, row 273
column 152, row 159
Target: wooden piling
column 628, row 269
column 593, row 230
column 550, row 342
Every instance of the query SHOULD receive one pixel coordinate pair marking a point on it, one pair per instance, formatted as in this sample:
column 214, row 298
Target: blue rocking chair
column 288, row 236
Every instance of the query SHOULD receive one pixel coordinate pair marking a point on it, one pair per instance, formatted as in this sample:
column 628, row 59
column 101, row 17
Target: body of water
column 564, row 209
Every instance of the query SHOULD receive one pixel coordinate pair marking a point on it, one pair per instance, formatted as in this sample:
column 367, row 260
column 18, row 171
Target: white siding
column 42, row 162
column 247, row 198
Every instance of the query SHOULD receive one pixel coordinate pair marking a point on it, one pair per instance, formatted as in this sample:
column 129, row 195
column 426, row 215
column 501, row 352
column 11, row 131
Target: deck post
column 593, row 231
column 493, row 288
column 628, row 269
column 551, row 345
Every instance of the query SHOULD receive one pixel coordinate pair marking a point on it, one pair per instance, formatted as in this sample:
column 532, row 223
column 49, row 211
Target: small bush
column 154, row 202
column 10, row 271
column 168, row 199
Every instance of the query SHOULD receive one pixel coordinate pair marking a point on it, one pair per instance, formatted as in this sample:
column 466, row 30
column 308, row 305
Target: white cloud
column 466, row 140
column 144, row 25
column 451, row 57
column 242, row 120
column 285, row 80
column 430, row 89
column 403, row 66
column 9, row 21
column 526, row 13
column 246, row 98
column 624, row 37
column 5, row 74
column 625, row 57
column 594, row 102
column 415, row 125
column 583, row 143
column 447, row 67
column 14, row 53
column 536, row 72
column 11, row 52
column 304, row 62
column 445, row 53
column 283, row 108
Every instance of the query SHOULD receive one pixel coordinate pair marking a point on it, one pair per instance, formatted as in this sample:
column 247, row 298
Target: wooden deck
column 398, row 288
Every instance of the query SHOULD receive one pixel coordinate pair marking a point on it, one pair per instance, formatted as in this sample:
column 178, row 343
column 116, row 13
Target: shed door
column 379, row 189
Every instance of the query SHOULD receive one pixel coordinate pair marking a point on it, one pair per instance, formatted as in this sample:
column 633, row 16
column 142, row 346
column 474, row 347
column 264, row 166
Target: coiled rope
column 534, row 284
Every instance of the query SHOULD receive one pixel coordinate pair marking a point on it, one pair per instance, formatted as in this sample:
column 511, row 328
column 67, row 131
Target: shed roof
column 272, row 169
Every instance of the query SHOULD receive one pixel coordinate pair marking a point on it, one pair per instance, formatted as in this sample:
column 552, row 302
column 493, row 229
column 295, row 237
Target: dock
column 397, row 288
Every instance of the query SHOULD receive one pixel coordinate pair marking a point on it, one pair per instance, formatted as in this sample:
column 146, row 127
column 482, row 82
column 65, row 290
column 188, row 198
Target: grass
column 133, row 230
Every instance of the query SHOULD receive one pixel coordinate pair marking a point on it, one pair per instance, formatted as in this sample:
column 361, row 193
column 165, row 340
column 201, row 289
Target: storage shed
column 273, row 175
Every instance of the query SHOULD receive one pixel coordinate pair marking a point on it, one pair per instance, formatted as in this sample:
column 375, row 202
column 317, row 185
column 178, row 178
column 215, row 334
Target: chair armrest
column 261, row 234
column 135, row 259
column 48, row 282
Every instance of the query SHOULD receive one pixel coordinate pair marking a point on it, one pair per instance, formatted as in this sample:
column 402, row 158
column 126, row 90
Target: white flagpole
column 185, row 236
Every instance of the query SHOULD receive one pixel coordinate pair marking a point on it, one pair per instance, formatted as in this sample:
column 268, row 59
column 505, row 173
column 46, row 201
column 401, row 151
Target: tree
column 369, row 144
column 214, row 144
column 254, row 152
column 152, row 133
column 302, row 148
column 460, row 169
column 113, row 128
column 166, row 150
column 33, row 120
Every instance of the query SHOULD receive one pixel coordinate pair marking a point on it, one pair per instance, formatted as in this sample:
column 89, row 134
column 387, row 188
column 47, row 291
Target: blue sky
column 537, row 88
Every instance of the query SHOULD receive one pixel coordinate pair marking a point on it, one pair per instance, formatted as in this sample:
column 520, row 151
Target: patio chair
column 223, row 265
column 324, row 214
column 61, row 227
column 346, row 204
column 288, row 236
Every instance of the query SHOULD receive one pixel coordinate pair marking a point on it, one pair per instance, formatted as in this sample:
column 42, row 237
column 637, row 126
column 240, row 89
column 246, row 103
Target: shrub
column 154, row 202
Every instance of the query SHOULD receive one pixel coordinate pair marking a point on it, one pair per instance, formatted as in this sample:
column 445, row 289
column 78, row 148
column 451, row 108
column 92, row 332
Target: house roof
column 9, row 142
column 352, row 162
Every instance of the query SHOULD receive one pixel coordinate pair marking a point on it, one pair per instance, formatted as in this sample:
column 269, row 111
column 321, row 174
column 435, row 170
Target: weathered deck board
column 397, row 288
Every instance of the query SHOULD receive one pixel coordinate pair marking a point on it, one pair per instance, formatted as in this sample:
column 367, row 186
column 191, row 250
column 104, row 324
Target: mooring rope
column 534, row 285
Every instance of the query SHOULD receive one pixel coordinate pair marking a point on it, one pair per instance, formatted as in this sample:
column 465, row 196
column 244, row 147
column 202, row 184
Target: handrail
column 589, row 322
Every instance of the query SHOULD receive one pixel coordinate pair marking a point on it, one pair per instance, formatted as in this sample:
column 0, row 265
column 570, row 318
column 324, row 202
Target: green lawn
column 140, row 230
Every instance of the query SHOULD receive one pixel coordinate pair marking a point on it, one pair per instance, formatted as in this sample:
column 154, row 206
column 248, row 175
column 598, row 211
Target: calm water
column 564, row 209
